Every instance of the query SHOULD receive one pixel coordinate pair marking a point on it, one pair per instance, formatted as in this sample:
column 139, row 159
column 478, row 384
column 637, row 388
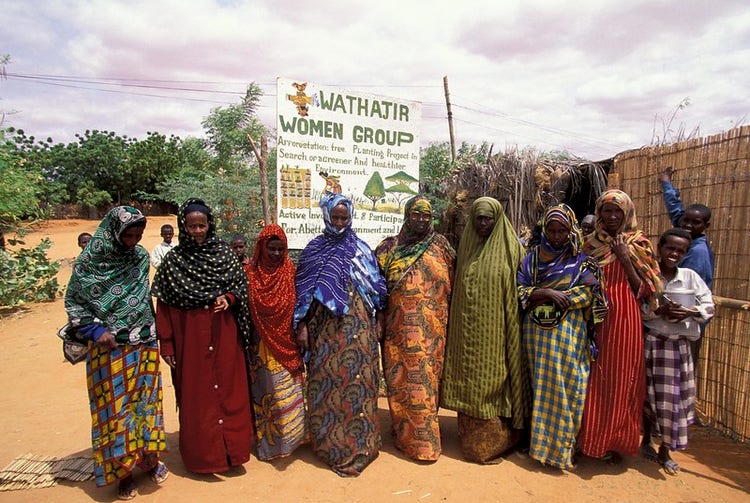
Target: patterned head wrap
column 272, row 298
column 598, row 243
column 562, row 269
column 333, row 261
column 565, row 216
column 328, row 202
column 109, row 284
column 396, row 254
column 193, row 275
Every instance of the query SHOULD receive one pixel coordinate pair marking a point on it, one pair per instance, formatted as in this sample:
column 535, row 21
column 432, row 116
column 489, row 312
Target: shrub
column 27, row 275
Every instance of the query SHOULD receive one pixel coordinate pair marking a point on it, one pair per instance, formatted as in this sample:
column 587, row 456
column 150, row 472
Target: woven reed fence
column 714, row 171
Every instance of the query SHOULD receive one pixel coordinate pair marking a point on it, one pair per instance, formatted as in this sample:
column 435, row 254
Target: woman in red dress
column 612, row 415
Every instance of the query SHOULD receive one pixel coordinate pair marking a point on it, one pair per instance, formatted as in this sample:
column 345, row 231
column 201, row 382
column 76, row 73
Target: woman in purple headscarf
column 339, row 290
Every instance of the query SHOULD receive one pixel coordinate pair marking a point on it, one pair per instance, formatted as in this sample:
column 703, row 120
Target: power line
column 114, row 91
column 549, row 129
column 69, row 81
column 102, row 82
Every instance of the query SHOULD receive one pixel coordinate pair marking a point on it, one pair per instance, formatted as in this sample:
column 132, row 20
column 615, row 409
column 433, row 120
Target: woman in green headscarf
column 485, row 378
column 109, row 307
column 418, row 267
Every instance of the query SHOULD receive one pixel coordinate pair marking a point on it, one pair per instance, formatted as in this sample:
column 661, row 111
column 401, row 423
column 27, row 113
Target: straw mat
column 30, row 471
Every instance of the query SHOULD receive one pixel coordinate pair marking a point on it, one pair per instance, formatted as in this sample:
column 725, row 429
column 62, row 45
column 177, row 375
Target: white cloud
column 588, row 76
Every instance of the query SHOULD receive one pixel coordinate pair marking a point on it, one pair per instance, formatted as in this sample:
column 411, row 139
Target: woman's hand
column 169, row 360
column 542, row 295
column 303, row 340
column 106, row 341
column 561, row 300
column 221, row 304
column 620, row 247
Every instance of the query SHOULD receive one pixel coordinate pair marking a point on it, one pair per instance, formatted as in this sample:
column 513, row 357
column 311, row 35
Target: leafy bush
column 27, row 275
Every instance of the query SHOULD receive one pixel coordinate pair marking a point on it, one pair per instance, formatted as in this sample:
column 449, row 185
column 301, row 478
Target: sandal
column 670, row 466
column 160, row 473
column 649, row 453
column 665, row 461
column 126, row 488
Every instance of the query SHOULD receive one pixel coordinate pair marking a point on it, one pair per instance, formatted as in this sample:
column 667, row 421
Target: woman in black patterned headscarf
column 203, row 325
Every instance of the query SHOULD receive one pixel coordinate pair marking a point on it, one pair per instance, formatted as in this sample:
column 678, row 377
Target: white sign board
column 363, row 146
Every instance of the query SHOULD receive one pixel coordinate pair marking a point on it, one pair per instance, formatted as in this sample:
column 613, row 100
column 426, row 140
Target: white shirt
column 159, row 251
column 689, row 328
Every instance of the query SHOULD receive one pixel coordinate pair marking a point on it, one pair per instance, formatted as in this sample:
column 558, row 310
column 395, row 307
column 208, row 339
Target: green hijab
column 109, row 284
column 485, row 370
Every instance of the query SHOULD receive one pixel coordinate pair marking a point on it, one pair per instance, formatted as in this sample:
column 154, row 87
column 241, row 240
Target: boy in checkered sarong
column 684, row 306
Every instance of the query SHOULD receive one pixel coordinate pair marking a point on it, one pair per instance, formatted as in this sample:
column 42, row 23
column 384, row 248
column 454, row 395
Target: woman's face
column 612, row 217
column 557, row 234
column 275, row 249
column 484, row 225
column 130, row 237
column 420, row 222
column 196, row 225
column 339, row 216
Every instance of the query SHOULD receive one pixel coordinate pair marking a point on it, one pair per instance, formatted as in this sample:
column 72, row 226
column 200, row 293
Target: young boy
column 83, row 240
column 670, row 377
column 695, row 219
column 239, row 247
column 160, row 250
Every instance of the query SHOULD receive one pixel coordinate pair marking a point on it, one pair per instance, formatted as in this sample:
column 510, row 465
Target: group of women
column 289, row 355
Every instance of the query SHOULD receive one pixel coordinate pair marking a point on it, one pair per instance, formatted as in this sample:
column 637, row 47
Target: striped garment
column 278, row 404
column 485, row 372
column 670, row 388
column 614, row 403
column 126, row 409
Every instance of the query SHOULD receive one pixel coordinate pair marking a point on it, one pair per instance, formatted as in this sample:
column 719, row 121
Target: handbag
column 74, row 348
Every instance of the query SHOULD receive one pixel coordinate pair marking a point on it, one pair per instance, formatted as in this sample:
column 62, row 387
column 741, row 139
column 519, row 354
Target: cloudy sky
column 594, row 77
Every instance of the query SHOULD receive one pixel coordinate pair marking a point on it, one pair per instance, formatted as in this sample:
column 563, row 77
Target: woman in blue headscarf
column 339, row 291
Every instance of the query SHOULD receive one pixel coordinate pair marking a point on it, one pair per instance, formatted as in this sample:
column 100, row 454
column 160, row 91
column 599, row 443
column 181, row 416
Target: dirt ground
column 45, row 412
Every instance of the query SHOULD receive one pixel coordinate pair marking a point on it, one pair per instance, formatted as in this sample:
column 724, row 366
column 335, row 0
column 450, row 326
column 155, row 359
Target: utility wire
column 57, row 80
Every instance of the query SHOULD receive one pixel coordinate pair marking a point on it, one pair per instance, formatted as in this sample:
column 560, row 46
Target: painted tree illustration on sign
column 374, row 189
column 401, row 188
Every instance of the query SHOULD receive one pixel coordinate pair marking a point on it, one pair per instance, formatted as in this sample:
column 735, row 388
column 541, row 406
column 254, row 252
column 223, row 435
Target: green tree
column 25, row 274
column 374, row 189
column 400, row 192
column 224, row 173
column 402, row 189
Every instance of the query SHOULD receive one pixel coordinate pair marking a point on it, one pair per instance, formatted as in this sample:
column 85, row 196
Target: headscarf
column 485, row 305
column 396, row 254
column 109, row 284
column 598, row 243
column 193, row 275
column 272, row 298
column 333, row 261
column 564, row 268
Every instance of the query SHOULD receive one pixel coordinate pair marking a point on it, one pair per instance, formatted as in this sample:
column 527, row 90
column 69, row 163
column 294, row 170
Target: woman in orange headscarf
column 277, row 371
column 612, row 415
